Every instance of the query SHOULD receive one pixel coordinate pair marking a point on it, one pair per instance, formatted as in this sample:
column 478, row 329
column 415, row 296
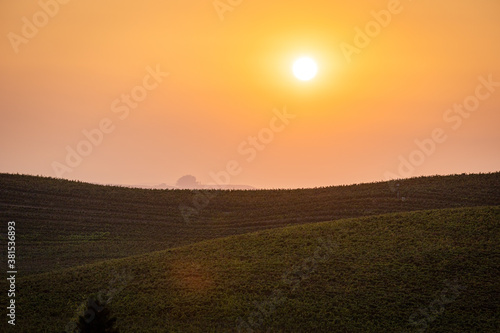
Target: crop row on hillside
column 432, row 270
column 59, row 217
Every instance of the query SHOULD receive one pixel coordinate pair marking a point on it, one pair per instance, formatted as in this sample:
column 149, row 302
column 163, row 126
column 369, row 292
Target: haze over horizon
column 123, row 92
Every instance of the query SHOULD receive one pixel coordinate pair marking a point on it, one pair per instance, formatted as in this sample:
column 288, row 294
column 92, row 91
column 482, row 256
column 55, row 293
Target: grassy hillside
column 436, row 270
column 62, row 223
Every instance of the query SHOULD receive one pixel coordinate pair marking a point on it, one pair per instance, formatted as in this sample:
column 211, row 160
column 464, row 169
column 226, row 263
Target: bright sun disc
column 305, row 69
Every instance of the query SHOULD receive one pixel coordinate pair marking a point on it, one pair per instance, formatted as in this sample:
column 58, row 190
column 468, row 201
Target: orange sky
column 355, row 122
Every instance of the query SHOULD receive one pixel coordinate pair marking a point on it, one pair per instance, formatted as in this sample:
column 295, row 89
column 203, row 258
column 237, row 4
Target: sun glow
column 305, row 69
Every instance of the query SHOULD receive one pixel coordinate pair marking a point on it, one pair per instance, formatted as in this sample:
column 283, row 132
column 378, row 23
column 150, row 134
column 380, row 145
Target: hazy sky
column 132, row 92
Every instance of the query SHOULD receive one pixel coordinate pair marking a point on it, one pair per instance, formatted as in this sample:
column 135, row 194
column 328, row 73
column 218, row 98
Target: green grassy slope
column 399, row 272
column 62, row 223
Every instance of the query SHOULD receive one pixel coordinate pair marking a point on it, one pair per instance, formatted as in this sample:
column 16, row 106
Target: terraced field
column 414, row 255
column 433, row 271
column 63, row 224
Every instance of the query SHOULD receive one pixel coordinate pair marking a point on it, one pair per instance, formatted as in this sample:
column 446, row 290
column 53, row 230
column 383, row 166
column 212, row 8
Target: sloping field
column 63, row 223
column 403, row 272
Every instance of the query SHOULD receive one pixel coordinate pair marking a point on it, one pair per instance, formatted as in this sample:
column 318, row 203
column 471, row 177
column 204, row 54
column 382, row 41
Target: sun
column 305, row 68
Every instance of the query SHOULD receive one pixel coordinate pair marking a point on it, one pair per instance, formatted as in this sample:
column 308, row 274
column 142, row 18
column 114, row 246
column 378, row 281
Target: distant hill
column 66, row 223
column 434, row 271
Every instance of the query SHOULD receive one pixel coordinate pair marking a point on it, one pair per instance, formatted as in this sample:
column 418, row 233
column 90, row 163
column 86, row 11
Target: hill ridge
column 63, row 223
column 250, row 234
column 380, row 274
